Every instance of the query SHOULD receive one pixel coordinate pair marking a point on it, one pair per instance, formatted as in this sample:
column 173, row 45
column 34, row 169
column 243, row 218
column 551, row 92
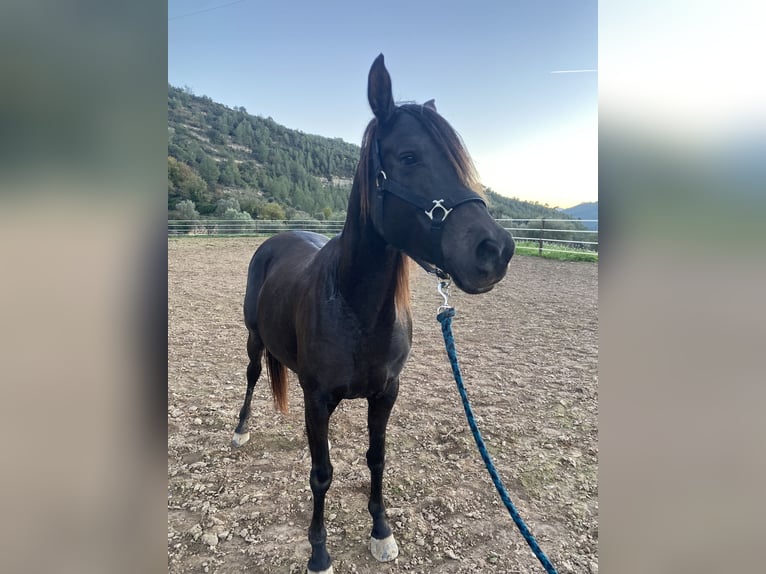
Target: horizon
column 532, row 132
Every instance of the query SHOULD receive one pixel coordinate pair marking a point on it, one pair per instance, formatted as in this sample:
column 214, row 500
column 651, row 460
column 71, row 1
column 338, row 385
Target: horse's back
column 284, row 254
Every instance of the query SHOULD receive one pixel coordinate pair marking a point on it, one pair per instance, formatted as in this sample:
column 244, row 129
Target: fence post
column 542, row 231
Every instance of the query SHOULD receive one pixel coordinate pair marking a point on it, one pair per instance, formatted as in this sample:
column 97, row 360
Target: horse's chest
column 359, row 362
column 382, row 355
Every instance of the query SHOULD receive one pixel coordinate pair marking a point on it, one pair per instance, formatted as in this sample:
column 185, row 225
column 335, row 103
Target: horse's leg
column 382, row 542
column 254, row 352
column 318, row 413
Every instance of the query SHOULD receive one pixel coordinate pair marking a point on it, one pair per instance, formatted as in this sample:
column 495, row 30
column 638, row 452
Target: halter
column 437, row 210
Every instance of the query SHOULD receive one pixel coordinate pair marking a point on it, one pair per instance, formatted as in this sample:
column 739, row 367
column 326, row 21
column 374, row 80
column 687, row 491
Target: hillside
column 502, row 207
column 588, row 210
column 227, row 163
column 217, row 153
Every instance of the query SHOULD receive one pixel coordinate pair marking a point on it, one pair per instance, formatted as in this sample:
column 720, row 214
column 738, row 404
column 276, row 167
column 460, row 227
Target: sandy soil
column 529, row 352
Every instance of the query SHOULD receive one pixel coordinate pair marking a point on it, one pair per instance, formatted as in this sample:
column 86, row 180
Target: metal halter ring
column 438, row 203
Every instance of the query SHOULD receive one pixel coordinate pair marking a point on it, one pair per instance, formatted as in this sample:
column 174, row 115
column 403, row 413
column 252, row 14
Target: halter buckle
column 438, row 203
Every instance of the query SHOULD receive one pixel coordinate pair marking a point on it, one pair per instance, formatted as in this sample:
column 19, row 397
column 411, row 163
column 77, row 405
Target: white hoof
column 384, row 550
column 239, row 439
column 328, row 571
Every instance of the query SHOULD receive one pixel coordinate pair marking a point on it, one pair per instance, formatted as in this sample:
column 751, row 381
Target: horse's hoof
column 384, row 550
column 239, row 439
column 328, row 571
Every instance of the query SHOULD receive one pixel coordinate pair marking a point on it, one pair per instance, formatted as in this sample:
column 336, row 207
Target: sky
column 693, row 71
column 517, row 79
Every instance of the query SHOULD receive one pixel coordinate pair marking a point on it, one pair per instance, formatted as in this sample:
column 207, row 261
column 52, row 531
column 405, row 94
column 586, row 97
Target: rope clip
column 442, row 286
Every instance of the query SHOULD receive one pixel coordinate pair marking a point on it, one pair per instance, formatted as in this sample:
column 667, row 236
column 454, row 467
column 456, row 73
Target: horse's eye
column 408, row 158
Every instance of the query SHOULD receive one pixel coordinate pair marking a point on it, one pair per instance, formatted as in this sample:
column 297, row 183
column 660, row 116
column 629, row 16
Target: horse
column 337, row 312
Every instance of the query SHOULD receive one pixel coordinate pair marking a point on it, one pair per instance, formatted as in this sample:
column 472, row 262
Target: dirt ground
column 528, row 351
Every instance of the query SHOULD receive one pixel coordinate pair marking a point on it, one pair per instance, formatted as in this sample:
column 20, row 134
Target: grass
column 551, row 251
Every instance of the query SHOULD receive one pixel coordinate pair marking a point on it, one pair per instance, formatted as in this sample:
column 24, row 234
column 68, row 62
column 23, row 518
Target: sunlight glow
column 558, row 167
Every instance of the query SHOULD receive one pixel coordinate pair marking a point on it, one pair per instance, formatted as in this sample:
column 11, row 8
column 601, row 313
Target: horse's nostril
column 487, row 253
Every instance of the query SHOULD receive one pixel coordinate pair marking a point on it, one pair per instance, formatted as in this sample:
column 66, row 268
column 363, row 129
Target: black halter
column 436, row 210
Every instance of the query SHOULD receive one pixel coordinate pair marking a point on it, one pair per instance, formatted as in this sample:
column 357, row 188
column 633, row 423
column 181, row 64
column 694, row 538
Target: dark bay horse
column 337, row 312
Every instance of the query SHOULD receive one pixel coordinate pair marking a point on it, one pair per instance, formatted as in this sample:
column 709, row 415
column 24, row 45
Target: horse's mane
column 444, row 136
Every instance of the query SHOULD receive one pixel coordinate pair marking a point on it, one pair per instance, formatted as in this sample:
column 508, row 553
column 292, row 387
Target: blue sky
column 494, row 69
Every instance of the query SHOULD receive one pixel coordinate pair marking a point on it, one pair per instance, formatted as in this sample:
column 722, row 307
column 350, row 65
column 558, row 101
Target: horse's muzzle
column 492, row 257
column 488, row 265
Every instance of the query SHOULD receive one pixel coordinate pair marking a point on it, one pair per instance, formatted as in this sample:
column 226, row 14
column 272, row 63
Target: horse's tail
column 278, row 378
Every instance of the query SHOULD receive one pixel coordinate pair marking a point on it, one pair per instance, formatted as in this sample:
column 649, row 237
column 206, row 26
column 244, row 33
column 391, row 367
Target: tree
column 229, row 175
column 186, row 210
column 250, row 202
column 184, row 183
column 273, row 211
column 215, row 136
column 298, row 215
column 243, row 134
column 226, row 203
column 278, row 188
column 245, row 222
column 208, row 170
column 248, row 171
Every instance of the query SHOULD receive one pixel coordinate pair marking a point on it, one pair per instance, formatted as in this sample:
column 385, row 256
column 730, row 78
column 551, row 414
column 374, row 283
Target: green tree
column 273, row 211
column 278, row 188
column 215, row 136
column 244, row 222
column 243, row 134
column 251, row 203
column 208, row 170
column 226, row 203
column 186, row 210
column 184, row 183
column 229, row 175
column 299, row 215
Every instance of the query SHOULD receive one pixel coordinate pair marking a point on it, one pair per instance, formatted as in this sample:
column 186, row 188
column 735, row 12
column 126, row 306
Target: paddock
column 529, row 355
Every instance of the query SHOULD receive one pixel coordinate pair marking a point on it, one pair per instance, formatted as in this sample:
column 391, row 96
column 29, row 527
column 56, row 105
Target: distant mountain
column 502, row 207
column 225, row 162
column 588, row 210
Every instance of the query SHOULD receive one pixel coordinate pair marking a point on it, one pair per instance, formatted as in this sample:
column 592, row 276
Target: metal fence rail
column 249, row 227
column 548, row 234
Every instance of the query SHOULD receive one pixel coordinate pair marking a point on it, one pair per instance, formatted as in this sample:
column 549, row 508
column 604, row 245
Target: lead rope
column 444, row 316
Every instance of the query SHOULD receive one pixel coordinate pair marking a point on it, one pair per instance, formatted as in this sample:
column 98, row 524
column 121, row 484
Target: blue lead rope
column 445, row 318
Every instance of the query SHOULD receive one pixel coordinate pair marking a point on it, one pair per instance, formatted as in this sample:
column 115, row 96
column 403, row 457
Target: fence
column 250, row 226
column 551, row 235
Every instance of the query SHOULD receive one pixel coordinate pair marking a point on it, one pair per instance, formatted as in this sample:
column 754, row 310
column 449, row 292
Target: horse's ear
column 430, row 104
column 379, row 91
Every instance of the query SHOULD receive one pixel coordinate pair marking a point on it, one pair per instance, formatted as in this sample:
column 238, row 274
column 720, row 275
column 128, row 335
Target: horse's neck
column 367, row 271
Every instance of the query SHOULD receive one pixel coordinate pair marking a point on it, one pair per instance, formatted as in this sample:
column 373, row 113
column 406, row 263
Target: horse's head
column 420, row 191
